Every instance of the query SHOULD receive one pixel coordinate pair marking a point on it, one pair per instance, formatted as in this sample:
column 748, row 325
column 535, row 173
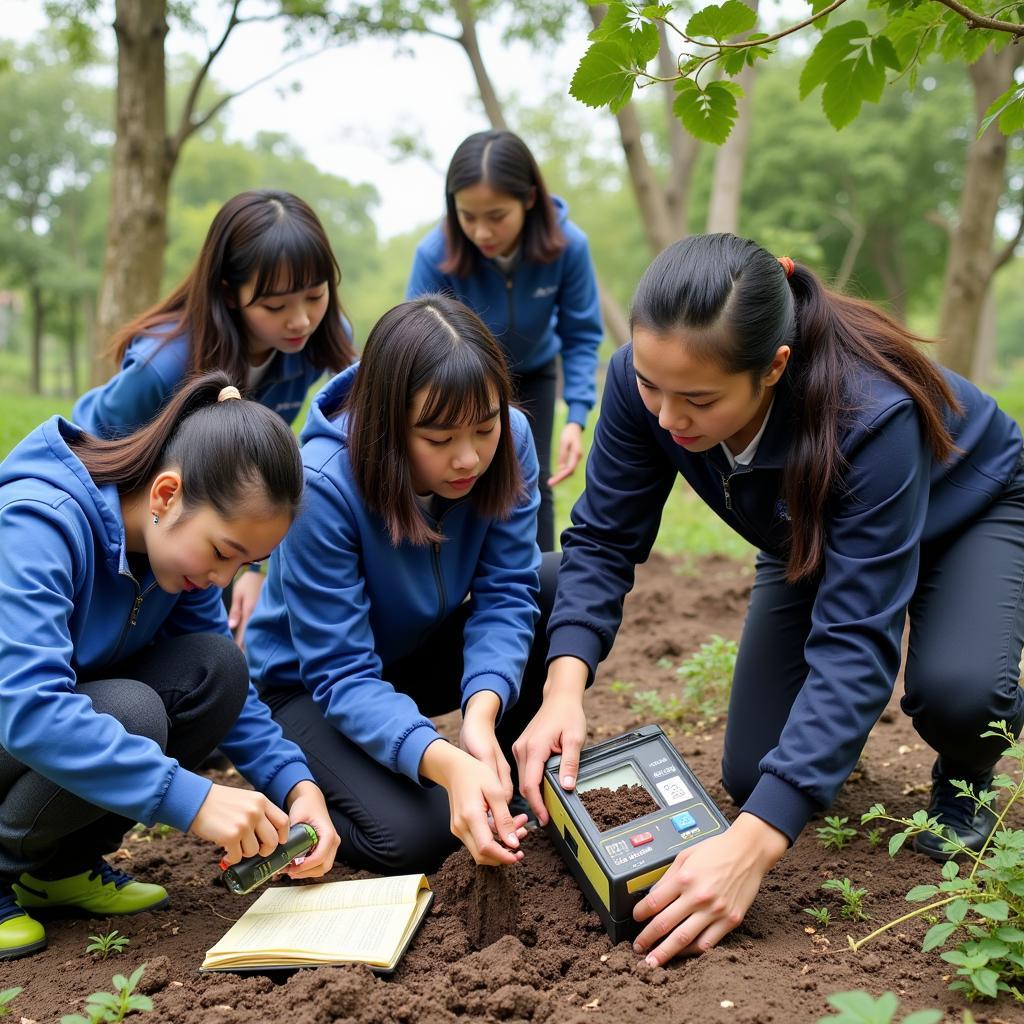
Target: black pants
column 184, row 694
column 962, row 670
column 535, row 392
column 387, row 822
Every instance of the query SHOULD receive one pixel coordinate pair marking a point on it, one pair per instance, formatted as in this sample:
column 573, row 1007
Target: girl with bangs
column 261, row 304
column 411, row 585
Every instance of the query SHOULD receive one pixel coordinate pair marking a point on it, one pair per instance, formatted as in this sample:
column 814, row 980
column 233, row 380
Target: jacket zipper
column 509, row 284
column 133, row 615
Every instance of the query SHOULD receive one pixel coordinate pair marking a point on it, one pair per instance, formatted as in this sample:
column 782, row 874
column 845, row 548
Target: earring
column 156, row 519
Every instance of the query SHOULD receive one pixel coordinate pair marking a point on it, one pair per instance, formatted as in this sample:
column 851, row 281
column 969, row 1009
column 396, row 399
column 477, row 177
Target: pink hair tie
column 787, row 265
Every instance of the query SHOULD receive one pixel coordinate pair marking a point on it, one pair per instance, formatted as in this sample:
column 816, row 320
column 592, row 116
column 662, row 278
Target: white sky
column 356, row 98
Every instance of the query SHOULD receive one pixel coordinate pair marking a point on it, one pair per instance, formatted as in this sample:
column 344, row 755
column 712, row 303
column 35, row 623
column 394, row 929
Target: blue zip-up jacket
column 69, row 607
column 535, row 311
column 895, row 498
column 341, row 602
column 153, row 369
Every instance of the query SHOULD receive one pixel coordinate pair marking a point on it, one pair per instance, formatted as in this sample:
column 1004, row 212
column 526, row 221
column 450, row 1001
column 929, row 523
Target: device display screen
column 621, row 775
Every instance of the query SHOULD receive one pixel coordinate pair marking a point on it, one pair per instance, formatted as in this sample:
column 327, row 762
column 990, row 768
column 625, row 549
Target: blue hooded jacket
column 341, row 601
column 895, row 498
column 153, row 369
column 70, row 606
column 535, row 311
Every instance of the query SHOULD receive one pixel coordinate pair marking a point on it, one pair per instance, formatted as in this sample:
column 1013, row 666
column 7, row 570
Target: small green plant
column 983, row 899
column 707, row 676
column 859, row 1007
column 7, row 996
column 103, row 945
column 835, row 834
column 650, row 702
column 876, row 836
column 852, row 898
column 618, row 686
column 112, row 1007
column 820, row 914
column 665, row 663
column 147, row 833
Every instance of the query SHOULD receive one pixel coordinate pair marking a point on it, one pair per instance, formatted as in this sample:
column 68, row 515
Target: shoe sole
column 19, row 951
column 81, row 912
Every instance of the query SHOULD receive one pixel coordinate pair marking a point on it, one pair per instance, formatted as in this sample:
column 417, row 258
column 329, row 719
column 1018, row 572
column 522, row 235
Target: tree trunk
column 72, row 340
column 470, row 43
column 36, row 371
column 983, row 368
column 731, row 159
column 970, row 263
column 616, row 323
column 891, row 273
column 683, row 148
column 140, row 173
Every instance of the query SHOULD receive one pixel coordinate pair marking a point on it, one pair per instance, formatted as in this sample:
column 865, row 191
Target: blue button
column 681, row 822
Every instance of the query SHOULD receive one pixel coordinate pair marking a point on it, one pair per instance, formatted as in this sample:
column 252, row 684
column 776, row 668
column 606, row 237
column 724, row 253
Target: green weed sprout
column 861, row 1008
column 650, row 702
column 103, row 945
column 834, row 834
column 7, row 996
column 853, row 899
column 820, row 914
column 984, row 907
column 707, row 676
column 112, row 1007
column 875, row 836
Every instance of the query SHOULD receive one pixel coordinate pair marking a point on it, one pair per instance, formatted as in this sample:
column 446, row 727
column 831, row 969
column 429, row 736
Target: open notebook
column 369, row 921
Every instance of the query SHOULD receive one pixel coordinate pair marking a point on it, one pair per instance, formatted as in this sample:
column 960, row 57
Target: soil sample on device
column 486, row 898
column 610, row 808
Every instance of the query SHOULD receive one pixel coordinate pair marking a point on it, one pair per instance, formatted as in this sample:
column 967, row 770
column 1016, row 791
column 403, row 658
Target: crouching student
column 408, row 588
column 117, row 671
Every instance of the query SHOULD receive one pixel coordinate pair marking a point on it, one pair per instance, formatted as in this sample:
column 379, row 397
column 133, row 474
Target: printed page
column 360, row 892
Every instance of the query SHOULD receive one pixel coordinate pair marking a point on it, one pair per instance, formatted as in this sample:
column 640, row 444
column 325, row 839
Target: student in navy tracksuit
column 261, row 303
column 407, row 588
column 508, row 250
column 117, row 671
column 874, row 484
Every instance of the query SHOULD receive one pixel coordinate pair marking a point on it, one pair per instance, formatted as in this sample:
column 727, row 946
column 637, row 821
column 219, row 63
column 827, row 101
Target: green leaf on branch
column 638, row 36
column 605, row 76
column 707, row 114
column 884, row 53
column 833, row 48
column 849, row 85
column 1008, row 110
column 997, row 910
column 721, row 22
column 937, row 935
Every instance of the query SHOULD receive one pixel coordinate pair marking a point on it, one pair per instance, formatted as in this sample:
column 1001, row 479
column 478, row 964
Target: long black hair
column 738, row 298
column 435, row 343
column 232, row 454
column 502, row 160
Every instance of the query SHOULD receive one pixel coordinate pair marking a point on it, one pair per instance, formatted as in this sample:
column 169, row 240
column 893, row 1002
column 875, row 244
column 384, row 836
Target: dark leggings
column 535, row 393
column 387, row 822
column 184, row 694
column 962, row 670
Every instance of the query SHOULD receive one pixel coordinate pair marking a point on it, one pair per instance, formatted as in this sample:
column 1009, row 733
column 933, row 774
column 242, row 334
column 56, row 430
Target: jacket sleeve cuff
column 410, row 753
column 575, row 642
column 781, row 805
column 282, row 783
column 488, row 681
column 578, row 412
column 182, row 799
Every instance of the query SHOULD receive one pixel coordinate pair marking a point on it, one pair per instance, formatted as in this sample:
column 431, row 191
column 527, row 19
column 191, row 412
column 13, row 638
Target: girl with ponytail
column 118, row 674
column 874, row 483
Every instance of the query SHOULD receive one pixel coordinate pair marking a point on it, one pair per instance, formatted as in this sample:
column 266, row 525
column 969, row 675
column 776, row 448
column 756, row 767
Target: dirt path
column 551, row 960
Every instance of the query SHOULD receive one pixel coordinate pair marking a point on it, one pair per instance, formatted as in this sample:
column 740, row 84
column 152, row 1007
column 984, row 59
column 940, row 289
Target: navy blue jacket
column 70, row 606
column 535, row 312
column 153, row 369
column 896, row 498
column 341, row 602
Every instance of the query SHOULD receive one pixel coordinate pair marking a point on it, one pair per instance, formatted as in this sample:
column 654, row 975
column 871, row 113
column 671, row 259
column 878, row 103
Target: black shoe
column 972, row 825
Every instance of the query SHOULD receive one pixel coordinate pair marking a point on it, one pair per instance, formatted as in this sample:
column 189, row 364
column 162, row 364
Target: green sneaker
column 20, row 935
column 101, row 892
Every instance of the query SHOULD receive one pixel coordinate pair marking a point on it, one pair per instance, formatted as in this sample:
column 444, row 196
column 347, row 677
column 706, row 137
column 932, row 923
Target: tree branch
column 976, row 20
column 824, row 12
column 1005, row 254
column 185, row 128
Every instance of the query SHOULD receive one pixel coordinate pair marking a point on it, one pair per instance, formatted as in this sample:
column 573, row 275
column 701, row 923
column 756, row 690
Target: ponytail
column 745, row 304
column 222, row 446
column 838, row 335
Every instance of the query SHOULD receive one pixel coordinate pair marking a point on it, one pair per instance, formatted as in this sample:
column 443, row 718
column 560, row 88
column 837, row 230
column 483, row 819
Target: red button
column 641, row 838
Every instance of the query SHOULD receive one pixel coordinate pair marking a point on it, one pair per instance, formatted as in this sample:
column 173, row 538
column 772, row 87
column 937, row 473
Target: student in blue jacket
column 261, row 303
column 507, row 249
column 874, row 483
column 408, row 587
column 117, row 671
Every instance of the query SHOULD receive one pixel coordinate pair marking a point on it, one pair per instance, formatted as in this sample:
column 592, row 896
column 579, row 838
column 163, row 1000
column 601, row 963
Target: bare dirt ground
column 543, row 955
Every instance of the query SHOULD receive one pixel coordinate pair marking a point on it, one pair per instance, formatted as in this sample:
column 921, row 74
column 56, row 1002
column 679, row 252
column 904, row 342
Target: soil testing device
column 250, row 872
column 616, row 867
